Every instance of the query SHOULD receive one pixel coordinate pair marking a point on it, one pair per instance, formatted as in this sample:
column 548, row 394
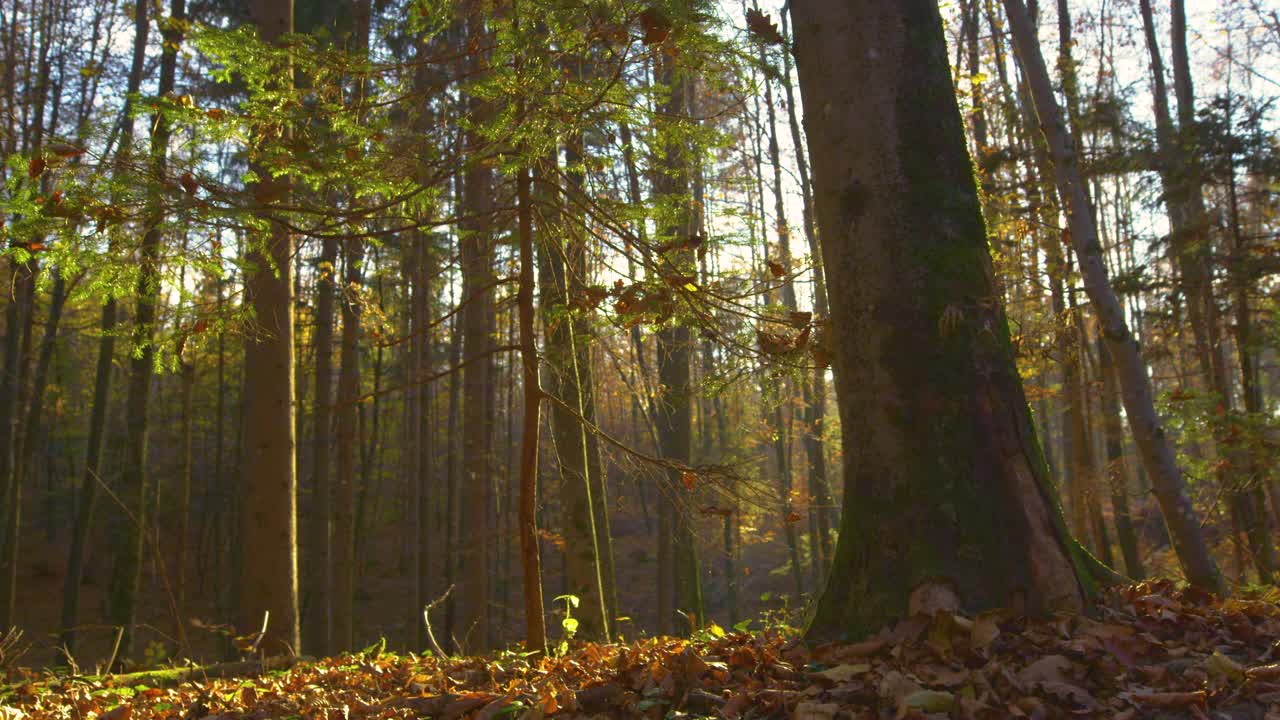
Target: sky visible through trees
column 467, row 325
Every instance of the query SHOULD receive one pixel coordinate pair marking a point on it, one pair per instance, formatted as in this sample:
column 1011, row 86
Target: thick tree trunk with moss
column 947, row 496
column 1135, row 384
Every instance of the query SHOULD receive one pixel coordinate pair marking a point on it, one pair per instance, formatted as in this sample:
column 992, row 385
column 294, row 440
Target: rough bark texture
column 946, row 488
column 1157, row 451
column 269, row 533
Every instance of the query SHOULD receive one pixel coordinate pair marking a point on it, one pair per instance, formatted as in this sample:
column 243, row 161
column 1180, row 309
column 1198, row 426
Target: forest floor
column 1147, row 651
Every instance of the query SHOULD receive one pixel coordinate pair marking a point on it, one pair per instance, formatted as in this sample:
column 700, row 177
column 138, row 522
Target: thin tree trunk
column 1156, row 449
column 816, row 391
column 318, row 638
column 344, row 540
column 1117, row 470
column 782, row 426
column 478, row 328
column 674, row 417
column 135, row 479
column 530, row 560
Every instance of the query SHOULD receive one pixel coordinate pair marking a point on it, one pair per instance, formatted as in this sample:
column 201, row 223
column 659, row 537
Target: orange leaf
column 689, row 480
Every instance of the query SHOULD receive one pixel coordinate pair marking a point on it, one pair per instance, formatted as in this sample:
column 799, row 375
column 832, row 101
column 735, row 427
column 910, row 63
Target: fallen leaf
column 844, row 673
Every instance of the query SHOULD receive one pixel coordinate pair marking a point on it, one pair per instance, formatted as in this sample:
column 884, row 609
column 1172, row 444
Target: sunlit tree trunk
column 269, row 537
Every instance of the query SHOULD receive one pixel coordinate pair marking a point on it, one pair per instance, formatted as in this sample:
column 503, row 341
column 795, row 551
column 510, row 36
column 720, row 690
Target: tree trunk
column 530, row 559
column 782, row 425
column 478, row 329
column 1155, row 447
column 269, row 535
column 816, row 399
column 947, row 498
column 318, row 638
column 674, row 418
column 1117, row 470
column 135, row 481
column 561, row 265
column 344, row 538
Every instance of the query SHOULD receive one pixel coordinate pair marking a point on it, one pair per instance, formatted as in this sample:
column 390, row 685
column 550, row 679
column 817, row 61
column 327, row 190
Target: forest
column 639, row 358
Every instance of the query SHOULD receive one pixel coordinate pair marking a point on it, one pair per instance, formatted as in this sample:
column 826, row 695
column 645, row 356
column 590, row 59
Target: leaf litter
column 1149, row 650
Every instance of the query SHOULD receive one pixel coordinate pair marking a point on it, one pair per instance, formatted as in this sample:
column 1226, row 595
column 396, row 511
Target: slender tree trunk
column 318, row 637
column 782, row 438
column 530, row 560
column 1156, row 449
column 674, row 418
column 478, row 328
column 344, row 539
column 32, row 426
column 19, row 316
column 135, row 482
column 816, row 400
column 1117, row 470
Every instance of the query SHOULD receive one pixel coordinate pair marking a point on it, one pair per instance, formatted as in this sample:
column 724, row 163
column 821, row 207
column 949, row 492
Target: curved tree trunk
column 1135, row 384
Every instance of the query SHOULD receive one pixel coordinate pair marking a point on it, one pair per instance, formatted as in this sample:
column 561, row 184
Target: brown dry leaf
column 844, row 673
column 816, row 711
column 1051, row 668
column 763, row 28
